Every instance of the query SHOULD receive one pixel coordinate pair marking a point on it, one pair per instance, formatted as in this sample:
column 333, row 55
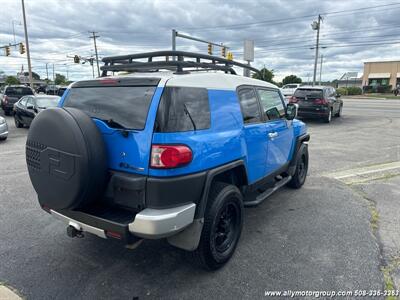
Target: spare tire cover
column 66, row 158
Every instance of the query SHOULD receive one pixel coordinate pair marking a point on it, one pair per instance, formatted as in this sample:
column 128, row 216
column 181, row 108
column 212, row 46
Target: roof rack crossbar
column 128, row 63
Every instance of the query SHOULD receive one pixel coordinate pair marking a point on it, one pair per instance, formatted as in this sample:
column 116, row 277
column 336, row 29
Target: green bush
column 342, row 91
column 352, row 90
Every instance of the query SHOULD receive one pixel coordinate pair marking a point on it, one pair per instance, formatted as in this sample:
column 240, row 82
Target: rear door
column 255, row 133
column 279, row 131
column 29, row 112
column 124, row 111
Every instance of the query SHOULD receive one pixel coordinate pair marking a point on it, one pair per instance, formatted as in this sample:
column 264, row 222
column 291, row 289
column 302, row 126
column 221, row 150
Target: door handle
column 272, row 135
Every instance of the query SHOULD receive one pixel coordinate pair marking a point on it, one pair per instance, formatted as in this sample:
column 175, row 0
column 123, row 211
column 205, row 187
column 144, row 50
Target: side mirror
column 30, row 107
column 291, row 111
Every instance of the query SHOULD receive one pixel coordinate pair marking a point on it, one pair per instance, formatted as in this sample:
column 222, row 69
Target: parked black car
column 26, row 109
column 321, row 102
column 11, row 95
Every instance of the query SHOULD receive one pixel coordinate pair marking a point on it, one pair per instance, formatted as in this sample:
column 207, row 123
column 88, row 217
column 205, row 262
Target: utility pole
column 94, row 36
column 320, row 69
column 27, row 46
column 54, row 81
column 316, row 25
column 47, row 72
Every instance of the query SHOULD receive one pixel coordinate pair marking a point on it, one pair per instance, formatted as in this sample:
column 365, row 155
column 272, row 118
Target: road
column 315, row 238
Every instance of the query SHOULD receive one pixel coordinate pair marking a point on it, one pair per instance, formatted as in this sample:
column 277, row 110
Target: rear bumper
column 149, row 223
column 317, row 112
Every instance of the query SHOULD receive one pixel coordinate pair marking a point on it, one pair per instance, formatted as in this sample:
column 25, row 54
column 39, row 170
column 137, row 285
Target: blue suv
column 171, row 147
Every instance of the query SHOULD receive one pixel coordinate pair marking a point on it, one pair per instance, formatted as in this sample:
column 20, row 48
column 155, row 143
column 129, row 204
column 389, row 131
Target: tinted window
column 30, row 102
column 23, row 101
column 309, row 93
column 271, row 103
column 249, row 104
column 183, row 109
column 18, row 91
column 124, row 105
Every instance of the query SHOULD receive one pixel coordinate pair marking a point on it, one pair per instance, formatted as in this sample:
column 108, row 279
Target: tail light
column 170, row 156
column 293, row 99
column 320, row 101
column 5, row 99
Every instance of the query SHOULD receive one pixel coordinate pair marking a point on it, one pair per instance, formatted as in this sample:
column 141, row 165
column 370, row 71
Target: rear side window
column 309, row 93
column 18, row 91
column 271, row 103
column 249, row 105
column 183, row 109
column 120, row 106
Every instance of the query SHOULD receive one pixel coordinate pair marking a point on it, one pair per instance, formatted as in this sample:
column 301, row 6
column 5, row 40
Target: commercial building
column 381, row 73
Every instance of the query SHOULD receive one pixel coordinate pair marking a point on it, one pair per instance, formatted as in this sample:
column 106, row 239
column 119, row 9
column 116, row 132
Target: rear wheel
column 300, row 174
column 328, row 117
column 18, row 124
column 223, row 222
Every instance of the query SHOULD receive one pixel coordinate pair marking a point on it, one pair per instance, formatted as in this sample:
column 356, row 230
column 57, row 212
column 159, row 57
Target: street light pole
column 27, row 46
column 316, row 25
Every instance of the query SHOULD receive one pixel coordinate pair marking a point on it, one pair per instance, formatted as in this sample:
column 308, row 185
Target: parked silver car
column 3, row 129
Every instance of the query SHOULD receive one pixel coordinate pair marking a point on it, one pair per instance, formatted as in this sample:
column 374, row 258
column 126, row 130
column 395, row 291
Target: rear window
column 309, row 93
column 119, row 106
column 183, row 109
column 18, row 91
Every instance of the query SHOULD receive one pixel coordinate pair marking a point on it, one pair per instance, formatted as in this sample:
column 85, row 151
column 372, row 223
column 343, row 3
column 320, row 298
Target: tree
column 35, row 76
column 265, row 75
column 12, row 80
column 291, row 79
column 60, row 79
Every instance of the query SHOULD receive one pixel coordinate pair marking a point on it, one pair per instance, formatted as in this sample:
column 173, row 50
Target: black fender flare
column 201, row 207
column 300, row 143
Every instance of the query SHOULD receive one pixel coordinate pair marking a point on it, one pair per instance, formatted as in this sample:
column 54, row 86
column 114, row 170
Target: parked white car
column 3, row 129
column 289, row 89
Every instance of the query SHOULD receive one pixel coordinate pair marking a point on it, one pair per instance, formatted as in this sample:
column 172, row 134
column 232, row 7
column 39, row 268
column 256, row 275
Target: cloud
column 281, row 31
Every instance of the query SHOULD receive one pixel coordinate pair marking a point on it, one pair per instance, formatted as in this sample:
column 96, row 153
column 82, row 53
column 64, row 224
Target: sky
column 352, row 32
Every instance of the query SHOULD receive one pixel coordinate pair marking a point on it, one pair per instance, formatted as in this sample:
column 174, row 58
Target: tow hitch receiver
column 74, row 230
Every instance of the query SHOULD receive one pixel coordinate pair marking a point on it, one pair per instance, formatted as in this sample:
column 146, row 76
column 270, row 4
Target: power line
column 289, row 20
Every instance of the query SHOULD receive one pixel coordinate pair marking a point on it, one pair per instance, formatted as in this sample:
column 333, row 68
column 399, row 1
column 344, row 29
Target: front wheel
column 18, row 124
column 300, row 174
column 223, row 222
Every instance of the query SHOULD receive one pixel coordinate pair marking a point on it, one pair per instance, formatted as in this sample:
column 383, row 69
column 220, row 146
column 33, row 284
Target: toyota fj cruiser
column 173, row 148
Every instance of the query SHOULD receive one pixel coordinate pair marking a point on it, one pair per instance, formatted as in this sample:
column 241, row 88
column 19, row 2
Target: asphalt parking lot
column 322, row 237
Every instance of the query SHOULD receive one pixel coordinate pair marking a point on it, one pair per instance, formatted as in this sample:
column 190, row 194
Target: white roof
column 378, row 75
column 209, row 80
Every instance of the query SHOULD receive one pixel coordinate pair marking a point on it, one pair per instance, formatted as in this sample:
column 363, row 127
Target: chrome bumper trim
column 158, row 223
column 79, row 225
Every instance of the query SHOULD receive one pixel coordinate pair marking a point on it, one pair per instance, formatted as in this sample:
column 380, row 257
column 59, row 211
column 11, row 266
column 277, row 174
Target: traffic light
column 7, row 50
column 76, row 59
column 223, row 52
column 21, row 48
column 209, row 49
column 230, row 56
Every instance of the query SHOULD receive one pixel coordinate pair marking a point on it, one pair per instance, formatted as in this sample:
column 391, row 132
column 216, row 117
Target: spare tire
column 66, row 158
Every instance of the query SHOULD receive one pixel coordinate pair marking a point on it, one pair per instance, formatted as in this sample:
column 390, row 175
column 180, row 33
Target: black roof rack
column 183, row 60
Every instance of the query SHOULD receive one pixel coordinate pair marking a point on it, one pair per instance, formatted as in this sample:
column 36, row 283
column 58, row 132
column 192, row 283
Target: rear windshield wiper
column 189, row 115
